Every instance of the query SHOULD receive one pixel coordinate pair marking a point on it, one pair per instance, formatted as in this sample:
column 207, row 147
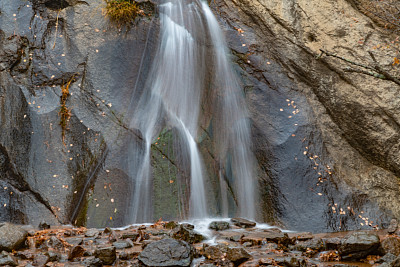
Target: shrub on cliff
column 121, row 12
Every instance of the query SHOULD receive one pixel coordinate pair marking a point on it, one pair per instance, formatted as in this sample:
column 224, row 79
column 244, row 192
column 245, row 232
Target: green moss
column 121, row 12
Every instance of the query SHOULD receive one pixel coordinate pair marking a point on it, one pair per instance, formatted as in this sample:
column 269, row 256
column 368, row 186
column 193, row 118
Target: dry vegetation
column 386, row 13
column 121, row 12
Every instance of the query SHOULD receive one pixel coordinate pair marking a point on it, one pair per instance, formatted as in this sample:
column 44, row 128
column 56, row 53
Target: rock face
column 167, row 252
column 11, row 236
column 326, row 141
column 46, row 171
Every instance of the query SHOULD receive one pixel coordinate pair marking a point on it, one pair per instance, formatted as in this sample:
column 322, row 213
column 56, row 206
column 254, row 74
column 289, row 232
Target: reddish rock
column 301, row 236
column 243, row 223
column 251, row 263
column 76, row 252
column 40, row 260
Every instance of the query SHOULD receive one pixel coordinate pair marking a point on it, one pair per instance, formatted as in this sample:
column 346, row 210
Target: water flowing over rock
column 179, row 72
column 325, row 141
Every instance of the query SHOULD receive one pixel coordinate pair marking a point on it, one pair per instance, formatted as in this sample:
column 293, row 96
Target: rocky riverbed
column 237, row 242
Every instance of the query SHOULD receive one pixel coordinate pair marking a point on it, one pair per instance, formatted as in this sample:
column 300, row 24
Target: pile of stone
column 236, row 243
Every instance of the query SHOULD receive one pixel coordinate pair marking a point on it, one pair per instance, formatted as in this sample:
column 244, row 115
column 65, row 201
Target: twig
column 55, row 36
column 373, row 74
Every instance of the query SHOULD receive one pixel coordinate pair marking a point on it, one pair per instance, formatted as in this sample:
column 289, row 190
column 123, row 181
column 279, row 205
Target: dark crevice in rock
column 85, row 180
column 58, row 4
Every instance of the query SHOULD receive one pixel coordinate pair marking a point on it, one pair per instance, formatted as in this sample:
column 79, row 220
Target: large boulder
column 167, row 252
column 12, row 236
column 359, row 245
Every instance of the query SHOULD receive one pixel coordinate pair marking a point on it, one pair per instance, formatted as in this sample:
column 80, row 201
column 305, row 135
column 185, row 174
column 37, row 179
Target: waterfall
column 191, row 43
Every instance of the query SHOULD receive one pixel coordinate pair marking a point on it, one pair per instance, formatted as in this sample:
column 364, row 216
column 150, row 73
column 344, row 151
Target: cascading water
column 190, row 60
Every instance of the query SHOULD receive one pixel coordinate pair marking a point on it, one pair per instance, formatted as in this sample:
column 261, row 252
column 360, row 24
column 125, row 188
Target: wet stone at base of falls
column 244, row 223
column 219, row 225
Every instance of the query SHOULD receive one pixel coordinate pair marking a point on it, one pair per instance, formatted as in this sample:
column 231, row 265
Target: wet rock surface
column 162, row 248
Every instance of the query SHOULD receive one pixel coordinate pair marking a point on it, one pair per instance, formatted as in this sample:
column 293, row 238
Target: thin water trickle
column 191, row 60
